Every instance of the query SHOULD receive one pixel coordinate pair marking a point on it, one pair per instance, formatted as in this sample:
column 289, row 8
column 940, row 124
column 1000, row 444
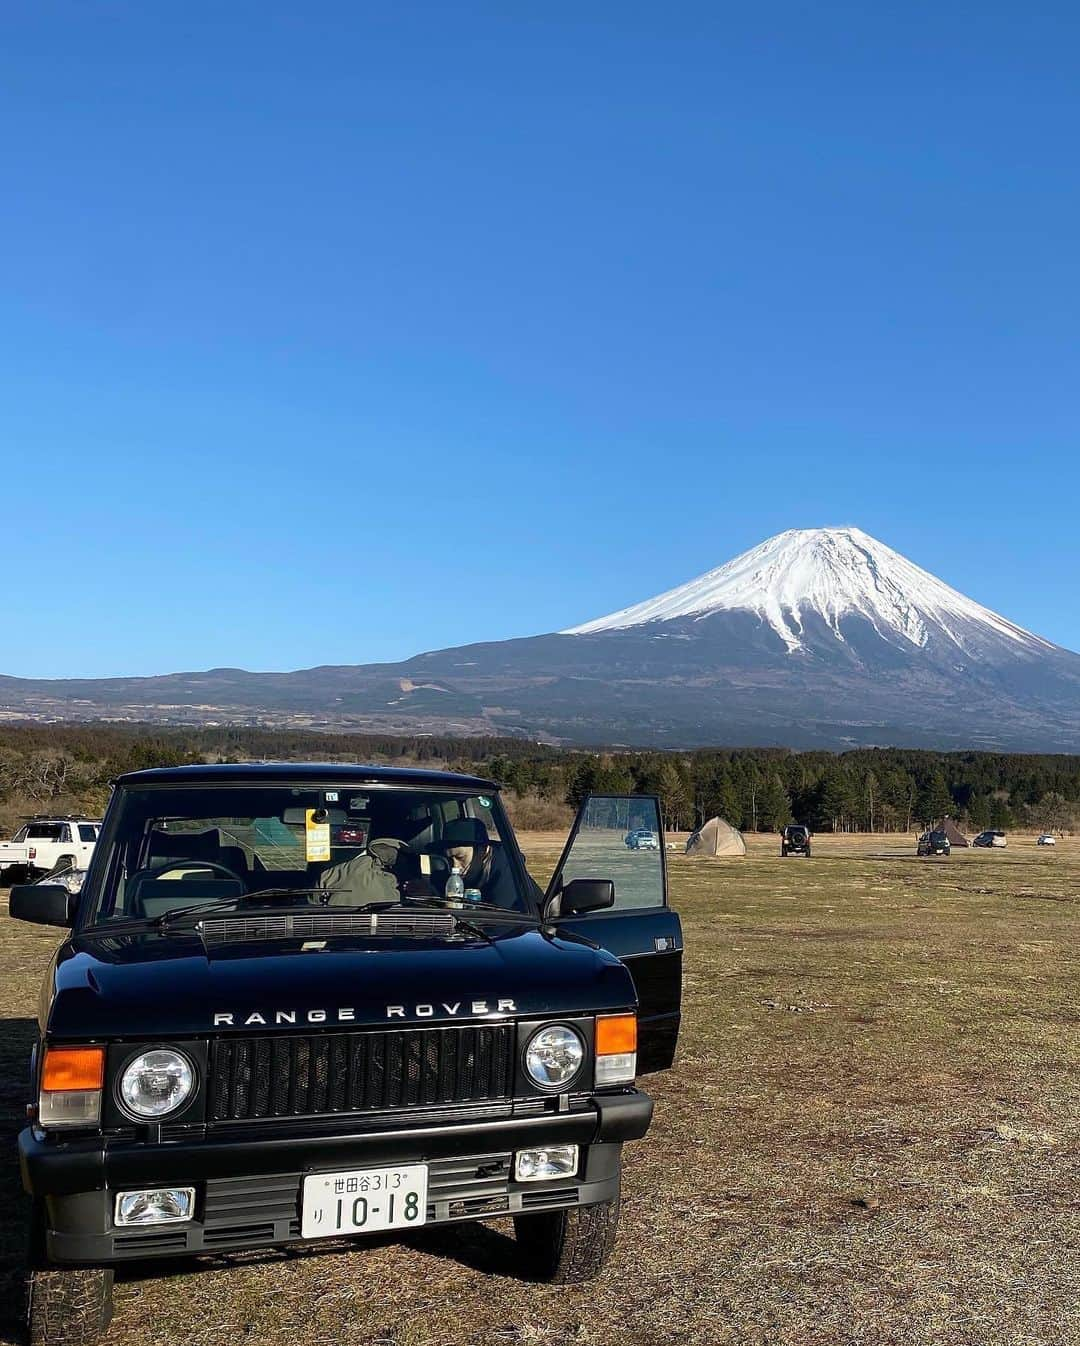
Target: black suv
column 934, row 843
column 307, row 1002
column 795, row 840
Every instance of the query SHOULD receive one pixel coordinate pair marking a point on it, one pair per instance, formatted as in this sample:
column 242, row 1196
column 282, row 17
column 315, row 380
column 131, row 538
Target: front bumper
column 248, row 1189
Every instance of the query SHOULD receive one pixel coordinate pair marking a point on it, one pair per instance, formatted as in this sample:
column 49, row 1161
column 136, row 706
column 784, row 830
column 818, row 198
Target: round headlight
column 554, row 1056
column 156, row 1083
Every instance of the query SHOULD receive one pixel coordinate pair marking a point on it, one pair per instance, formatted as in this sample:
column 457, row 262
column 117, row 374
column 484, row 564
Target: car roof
column 313, row 773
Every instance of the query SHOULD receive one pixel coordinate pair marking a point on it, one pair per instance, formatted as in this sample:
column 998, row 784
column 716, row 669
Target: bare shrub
column 530, row 813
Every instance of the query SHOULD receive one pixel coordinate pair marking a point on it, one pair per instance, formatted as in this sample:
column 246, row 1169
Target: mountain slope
column 816, row 638
column 835, row 572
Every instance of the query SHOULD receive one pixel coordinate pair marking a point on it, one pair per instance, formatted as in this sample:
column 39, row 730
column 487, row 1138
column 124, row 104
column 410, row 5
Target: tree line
column 49, row 767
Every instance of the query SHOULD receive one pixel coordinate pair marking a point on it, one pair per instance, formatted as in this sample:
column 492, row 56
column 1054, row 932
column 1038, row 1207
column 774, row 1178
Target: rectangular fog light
column 158, row 1205
column 553, row 1161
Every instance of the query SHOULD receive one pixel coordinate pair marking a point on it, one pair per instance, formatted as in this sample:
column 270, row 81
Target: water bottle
column 455, row 886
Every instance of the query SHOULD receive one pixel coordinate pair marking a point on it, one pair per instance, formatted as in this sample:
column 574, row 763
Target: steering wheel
column 156, row 871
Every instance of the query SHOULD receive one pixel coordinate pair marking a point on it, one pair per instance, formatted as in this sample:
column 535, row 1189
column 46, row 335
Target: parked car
column 643, row 839
column 47, row 843
column 1047, row 839
column 934, row 842
column 991, row 837
column 232, row 1057
column 795, row 840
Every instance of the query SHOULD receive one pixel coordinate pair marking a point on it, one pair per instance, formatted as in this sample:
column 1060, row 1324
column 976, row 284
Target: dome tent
column 716, row 837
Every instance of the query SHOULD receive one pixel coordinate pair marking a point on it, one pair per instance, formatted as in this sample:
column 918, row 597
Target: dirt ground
column 872, row 1135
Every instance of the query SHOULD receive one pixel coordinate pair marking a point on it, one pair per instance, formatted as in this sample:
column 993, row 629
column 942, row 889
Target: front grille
column 147, row 1241
column 303, row 1076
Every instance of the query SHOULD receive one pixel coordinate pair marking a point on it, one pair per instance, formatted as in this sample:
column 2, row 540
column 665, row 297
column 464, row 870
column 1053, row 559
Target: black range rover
column 308, row 1002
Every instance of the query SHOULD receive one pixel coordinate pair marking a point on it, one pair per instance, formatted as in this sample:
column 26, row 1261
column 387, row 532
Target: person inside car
column 466, row 845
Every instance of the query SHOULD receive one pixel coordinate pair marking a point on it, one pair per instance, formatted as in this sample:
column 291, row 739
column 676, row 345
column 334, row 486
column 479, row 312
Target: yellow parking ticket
column 317, row 834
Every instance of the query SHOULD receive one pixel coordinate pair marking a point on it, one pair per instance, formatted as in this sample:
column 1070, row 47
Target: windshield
column 173, row 848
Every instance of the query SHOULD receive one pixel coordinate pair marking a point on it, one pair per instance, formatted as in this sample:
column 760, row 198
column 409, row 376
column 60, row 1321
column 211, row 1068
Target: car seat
column 150, row 897
column 180, row 846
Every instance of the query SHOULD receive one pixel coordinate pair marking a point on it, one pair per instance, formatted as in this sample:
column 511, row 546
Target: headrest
column 463, row 832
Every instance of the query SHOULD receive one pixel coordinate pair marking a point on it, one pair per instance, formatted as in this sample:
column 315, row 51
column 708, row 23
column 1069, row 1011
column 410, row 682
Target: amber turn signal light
column 616, row 1034
column 73, row 1068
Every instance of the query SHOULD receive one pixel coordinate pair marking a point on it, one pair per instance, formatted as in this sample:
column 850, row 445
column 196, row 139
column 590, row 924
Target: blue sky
column 332, row 332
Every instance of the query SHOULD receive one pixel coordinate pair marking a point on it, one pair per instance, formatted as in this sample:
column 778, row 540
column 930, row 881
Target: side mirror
column 43, row 904
column 580, row 896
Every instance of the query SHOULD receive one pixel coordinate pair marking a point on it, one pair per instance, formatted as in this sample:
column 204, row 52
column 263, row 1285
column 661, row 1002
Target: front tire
column 566, row 1247
column 71, row 1307
column 68, row 1308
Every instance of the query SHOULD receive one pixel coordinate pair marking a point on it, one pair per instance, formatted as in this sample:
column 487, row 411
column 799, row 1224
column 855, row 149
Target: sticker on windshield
column 317, row 834
column 483, row 801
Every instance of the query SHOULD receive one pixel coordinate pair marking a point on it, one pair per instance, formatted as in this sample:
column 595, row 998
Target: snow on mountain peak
column 834, row 572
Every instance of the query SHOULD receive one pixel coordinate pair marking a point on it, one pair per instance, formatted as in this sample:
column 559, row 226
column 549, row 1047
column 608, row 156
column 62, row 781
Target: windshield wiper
column 463, row 923
column 238, row 899
column 466, row 911
column 288, row 892
column 512, row 912
column 480, row 911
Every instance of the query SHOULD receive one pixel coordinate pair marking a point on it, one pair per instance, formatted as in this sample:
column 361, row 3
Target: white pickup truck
column 48, row 843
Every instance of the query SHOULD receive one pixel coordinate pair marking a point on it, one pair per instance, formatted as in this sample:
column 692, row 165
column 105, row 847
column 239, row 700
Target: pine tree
column 934, row 802
column 978, row 813
column 773, row 805
column 871, row 812
column 1000, row 814
column 835, row 801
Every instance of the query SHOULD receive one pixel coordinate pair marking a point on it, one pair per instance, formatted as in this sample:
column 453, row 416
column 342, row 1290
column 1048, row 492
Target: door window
column 87, row 833
column 620, row 838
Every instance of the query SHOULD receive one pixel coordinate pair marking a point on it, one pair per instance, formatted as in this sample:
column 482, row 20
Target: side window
column 65, row 833
column 21, row 834
column 87, row 833
column 44, row 832
column 619, row 837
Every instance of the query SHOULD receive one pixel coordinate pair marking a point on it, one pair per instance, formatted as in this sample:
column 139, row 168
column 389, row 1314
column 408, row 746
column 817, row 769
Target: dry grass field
column 872, row 1135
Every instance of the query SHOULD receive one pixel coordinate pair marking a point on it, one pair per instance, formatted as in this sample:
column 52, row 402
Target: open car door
column 619, row 837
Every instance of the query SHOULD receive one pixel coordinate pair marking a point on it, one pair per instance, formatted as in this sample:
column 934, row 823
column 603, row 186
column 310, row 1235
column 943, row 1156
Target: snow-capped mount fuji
column 833, row 573
column 819, row 637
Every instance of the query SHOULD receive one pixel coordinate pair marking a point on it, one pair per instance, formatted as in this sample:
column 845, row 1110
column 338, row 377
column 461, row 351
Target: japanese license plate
column 363, row 1201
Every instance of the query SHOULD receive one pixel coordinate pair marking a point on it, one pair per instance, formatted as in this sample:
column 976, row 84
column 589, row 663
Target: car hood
column 153, row 984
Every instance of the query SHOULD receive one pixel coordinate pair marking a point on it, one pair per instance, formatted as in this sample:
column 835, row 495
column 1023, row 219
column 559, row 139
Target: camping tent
column 716, row 837
column 956, row 837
